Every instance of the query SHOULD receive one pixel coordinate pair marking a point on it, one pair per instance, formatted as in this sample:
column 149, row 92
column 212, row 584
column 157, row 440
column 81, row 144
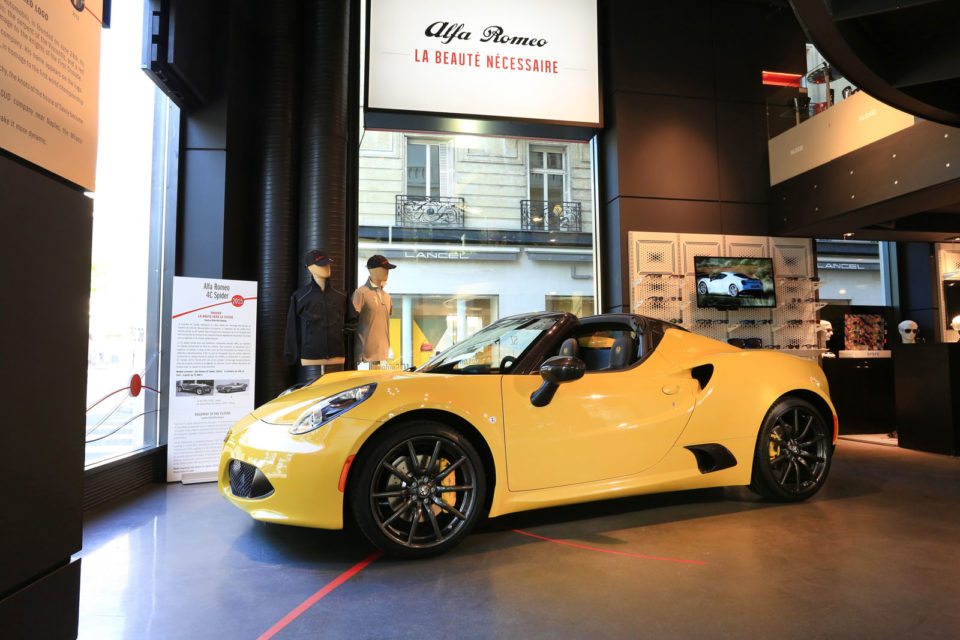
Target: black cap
column 379, row 261
column 317, row 257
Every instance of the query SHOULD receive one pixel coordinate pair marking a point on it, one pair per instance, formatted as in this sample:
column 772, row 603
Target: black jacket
column 316, row 322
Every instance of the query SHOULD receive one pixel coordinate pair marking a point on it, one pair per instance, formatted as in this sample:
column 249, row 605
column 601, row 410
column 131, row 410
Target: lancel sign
column 525, row 60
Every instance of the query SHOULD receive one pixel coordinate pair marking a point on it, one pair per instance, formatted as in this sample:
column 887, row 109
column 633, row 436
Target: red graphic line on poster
column 618, row 553
column 136, row 384
column 94, row 15
column 236, row 301
column 315, row 598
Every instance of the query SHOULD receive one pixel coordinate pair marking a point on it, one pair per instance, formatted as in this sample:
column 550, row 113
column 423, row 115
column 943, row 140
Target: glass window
column 578, row 305
column 425, row 169
column 853, row 272
column 488, row 246
column 132, row 141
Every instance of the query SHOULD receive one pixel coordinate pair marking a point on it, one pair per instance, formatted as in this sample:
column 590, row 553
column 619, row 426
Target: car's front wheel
column 199, row 391
column 793, row 452
column 702, row 287
column 418, row 490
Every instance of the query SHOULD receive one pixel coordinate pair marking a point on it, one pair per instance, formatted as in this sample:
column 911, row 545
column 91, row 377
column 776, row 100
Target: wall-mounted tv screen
column 734, row 283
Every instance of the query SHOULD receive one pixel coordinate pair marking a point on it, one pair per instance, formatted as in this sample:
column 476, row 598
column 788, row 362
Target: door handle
column 670, row 390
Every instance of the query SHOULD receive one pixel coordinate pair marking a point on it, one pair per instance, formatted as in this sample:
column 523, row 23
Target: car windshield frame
column 489, row 337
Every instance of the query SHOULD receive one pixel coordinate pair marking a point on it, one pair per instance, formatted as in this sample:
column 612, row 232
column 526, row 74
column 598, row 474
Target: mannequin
column 374, row 307
column 827, row 329
column 955, row 325
column 317, row 320
column 908, row 331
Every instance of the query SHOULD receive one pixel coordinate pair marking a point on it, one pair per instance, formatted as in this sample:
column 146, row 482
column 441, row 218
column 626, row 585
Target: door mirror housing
column 555, row 371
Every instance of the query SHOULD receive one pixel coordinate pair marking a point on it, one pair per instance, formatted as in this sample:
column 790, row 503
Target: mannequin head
column 320, row 274
column 955, row 323
column 379, row 268
column 827, row 329
column 318, row 264
column 908, row 331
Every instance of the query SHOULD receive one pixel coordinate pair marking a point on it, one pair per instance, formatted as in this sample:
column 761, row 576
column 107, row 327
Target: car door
column 605, row 425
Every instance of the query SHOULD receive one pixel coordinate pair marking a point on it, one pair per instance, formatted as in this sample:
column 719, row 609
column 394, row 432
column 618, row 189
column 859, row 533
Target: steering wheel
column 507, row 362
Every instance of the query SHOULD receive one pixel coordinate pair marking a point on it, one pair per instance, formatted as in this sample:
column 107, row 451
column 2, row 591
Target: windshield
column 494, row 349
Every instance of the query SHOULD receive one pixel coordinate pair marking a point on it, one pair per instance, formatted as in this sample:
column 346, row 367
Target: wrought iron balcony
column 429, row 211
column 550, row 215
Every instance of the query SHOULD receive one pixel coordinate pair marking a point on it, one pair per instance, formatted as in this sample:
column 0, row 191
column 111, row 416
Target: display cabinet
column 862, row 391
column 927, row 378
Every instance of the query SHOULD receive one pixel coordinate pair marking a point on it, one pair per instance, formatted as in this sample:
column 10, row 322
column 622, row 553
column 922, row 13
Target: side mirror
column 555, row 371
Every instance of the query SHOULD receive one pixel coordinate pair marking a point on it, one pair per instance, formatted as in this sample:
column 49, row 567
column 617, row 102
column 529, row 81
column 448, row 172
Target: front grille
column 246, row 481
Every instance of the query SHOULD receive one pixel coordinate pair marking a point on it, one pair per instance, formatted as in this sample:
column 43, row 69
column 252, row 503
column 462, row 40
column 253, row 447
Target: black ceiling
column 905, row 53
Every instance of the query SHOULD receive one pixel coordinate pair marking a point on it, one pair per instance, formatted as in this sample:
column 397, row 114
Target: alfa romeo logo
column 77, row 4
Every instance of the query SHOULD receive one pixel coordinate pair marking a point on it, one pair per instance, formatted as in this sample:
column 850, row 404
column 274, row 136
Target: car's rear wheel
column 733, row 290
column 419, row 490
column 199, row 391
column 793, row 452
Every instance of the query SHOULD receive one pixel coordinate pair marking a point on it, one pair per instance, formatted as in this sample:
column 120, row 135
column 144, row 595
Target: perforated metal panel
column 792, row 326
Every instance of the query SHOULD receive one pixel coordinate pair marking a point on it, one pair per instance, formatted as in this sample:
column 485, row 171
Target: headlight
column 329, row 408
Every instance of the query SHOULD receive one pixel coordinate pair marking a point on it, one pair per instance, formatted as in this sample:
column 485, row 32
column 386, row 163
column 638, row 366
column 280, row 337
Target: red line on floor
column 319, row 595
column 618, row 553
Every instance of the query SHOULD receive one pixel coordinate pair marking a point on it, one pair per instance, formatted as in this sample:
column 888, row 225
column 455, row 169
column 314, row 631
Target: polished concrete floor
column 875, row 555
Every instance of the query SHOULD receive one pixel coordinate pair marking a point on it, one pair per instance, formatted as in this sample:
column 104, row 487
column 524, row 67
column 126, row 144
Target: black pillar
column 277, row 184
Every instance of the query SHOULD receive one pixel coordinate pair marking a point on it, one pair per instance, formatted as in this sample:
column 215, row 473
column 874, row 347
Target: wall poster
column 212, row 367
column 50, row 84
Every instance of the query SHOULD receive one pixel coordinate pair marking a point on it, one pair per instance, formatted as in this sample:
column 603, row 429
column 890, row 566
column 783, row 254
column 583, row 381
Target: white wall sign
column 50, row 84
column 535, row 59
column 212, row 369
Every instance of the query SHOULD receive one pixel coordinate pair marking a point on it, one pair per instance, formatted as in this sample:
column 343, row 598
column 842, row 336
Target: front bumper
column 303, row 471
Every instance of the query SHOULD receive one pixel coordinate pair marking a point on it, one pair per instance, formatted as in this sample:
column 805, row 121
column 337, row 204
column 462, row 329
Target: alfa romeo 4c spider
column 534, row 410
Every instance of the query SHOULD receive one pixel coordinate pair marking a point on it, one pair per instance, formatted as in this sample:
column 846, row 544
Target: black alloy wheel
column 419, row 490
column 793, row 452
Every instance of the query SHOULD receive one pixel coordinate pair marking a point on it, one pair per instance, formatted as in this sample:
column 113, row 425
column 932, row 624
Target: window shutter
column 446, row 170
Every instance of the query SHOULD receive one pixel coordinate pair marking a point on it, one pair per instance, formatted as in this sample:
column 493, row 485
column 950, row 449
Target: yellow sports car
column 535, row 410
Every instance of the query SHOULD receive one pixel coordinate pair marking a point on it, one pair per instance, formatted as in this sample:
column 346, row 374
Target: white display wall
column 662, row 266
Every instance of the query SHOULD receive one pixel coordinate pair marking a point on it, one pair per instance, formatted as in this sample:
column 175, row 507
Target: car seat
column 621, row 353
column 570, row 348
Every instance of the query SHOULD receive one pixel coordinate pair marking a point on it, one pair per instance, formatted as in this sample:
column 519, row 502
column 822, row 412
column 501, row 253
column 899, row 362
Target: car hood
column 287, row 408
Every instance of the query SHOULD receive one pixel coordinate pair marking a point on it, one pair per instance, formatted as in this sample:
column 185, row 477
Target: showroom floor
column 875, row 555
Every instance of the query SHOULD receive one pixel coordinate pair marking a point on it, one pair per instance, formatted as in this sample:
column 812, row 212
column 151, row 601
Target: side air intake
column 712, row 457
column 702, row 374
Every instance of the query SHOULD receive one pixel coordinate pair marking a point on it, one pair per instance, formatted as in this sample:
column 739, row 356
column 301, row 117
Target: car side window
column 606, row 347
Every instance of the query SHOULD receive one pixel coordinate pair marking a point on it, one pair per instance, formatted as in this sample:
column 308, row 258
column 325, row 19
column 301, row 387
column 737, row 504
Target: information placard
column 212, row 368
column 50, row 84
column 531, row 60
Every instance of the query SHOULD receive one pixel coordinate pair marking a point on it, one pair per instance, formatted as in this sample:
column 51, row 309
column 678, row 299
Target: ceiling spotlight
column 847, row 235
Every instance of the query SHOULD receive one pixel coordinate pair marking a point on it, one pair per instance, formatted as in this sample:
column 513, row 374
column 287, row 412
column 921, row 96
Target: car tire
column 733, row 290
column 702, row 288
column 793, row 453
column 199, row 391
column 395, row 492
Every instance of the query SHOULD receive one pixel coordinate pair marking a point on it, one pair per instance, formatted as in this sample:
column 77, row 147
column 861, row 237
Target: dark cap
column 317, row 257
column 379, row 261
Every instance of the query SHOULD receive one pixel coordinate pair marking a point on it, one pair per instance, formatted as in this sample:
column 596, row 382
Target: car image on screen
column 731, row 283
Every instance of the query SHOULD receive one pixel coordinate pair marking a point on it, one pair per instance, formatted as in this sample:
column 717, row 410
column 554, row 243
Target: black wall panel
column 742, row 157
column 46, row 609
column 667, row 147
column 45, row 241
column 684, row 147
column 661, row 47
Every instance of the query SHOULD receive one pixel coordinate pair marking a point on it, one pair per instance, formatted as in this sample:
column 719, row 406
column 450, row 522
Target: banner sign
column 212, row 370
column 533, row 60
column 50, row 84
